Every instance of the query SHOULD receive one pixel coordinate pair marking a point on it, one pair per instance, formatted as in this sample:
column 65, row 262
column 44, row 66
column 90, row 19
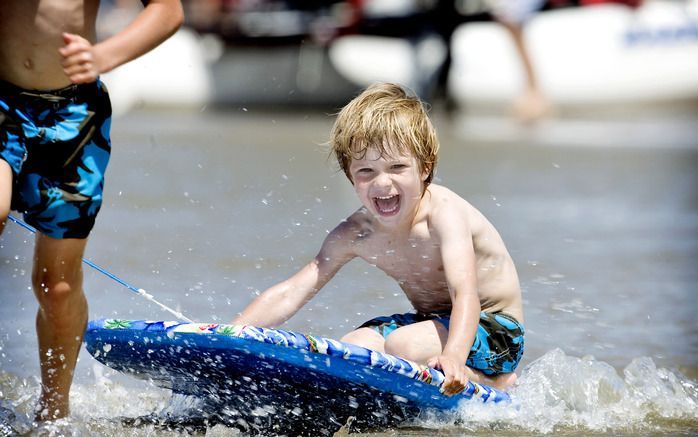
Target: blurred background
column 527, row 58
column 572, row 125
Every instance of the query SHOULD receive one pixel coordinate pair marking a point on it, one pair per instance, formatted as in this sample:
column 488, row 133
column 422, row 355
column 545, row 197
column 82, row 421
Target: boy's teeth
column 387, row 203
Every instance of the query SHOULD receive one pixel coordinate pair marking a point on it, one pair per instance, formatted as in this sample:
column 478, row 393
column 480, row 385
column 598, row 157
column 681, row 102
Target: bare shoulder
column 450, row 214
column 349, row 233
column 440, row 195
column 445, row 204
column 357, row 227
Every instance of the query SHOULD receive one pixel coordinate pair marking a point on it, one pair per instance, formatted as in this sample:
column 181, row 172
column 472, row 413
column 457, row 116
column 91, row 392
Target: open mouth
column 387, row 205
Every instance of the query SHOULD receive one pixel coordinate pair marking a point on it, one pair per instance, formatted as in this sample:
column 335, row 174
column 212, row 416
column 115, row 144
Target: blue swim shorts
column 498, row 345
column 57, row 144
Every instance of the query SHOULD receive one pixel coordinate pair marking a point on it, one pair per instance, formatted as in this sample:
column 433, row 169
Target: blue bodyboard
column 297, row 377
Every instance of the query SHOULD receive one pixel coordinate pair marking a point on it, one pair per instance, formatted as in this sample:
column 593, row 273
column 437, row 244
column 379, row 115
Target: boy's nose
column 383, row 180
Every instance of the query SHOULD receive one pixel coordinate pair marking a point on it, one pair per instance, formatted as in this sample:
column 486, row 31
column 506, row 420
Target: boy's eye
column 398, row 166
column 365, row 170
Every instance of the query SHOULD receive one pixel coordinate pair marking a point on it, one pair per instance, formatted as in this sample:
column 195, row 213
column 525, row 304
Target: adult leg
column 532, row 105
column 60, row 320
column 5, row 192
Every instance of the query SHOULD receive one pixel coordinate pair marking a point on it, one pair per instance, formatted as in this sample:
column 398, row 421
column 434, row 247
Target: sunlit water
column 204, row 210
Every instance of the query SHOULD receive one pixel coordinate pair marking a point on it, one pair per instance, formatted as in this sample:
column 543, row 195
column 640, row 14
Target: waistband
column 447, row 314
column 9, row 89
column 433, row 314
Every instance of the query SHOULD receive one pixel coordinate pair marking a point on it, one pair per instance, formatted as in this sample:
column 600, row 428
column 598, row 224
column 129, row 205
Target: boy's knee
column 55, row 294
column 50, row 292
column 62, row 306
column 365, row 337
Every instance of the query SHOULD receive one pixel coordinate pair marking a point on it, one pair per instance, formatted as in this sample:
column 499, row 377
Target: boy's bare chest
column 414, row 262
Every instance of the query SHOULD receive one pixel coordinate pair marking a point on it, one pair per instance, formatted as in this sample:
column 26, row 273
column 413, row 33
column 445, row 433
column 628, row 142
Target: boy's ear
column 425, row 172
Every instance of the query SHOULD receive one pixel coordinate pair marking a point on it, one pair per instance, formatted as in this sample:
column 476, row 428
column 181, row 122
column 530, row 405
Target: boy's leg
column 5, row 192
column 502, row 381
column 366, row 337
column 417, row 342
column 422, row 341
column 60, row 320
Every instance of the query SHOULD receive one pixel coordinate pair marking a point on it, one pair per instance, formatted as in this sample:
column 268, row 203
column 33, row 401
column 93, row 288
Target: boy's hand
column 80, row 63
column 454, row 372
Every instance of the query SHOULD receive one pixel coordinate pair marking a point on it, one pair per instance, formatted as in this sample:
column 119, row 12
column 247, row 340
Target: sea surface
column 203, row 209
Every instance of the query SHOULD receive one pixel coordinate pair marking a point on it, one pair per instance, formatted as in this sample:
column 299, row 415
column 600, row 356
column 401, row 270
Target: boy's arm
column 83, row 62
column 281, row 301
column 458, row 257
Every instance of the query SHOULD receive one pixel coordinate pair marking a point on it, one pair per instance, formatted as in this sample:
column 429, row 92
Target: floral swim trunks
column 57, row 144
column 498, row 345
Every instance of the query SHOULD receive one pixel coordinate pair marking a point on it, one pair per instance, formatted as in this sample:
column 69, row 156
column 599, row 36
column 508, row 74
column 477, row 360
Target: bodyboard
column 252, row 373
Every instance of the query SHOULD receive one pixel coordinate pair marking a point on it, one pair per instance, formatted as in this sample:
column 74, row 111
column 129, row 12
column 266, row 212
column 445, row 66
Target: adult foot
column 531, row 107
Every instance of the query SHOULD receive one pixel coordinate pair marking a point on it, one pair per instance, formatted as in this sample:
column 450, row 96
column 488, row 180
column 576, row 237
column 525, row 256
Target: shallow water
column 205, row 209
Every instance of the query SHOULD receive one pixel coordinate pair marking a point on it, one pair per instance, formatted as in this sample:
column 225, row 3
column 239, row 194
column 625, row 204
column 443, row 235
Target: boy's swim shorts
column 57, row 144
column 498, row 345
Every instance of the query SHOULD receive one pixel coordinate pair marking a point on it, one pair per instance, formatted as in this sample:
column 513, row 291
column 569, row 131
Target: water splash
column 560, row 394
column 556, row 395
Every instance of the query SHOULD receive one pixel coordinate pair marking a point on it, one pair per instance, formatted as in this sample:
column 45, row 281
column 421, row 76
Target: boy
column 54, row 148
column 448, row 259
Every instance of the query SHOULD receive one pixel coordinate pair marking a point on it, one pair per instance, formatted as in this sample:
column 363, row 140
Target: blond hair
column 385, row 117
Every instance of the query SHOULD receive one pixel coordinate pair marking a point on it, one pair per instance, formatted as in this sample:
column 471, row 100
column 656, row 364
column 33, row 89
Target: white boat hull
column 593, row 55
column 590, row 55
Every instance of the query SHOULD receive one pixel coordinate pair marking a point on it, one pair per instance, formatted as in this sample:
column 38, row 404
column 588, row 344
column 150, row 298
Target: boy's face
column 390, row 187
